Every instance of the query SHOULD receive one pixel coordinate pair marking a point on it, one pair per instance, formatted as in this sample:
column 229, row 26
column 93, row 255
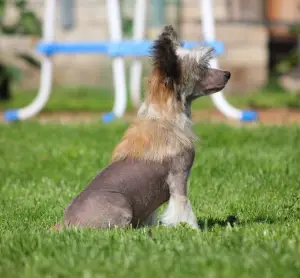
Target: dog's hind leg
column 99, row 210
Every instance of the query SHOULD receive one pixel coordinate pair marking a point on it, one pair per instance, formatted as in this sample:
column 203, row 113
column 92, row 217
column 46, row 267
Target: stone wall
column 246, row 46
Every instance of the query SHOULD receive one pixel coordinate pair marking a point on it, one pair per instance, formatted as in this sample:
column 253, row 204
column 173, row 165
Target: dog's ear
column 164, row 56
column 171, row 33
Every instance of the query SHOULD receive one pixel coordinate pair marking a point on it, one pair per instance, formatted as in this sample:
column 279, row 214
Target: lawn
column 97, row 99
column 244, row 187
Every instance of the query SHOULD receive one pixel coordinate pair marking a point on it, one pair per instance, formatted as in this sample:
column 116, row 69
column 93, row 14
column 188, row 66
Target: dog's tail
column 57, row 228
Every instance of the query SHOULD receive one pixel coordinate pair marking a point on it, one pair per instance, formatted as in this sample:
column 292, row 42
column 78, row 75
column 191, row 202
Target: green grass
column 101, row 100
column 248, row 173
column 66, row 99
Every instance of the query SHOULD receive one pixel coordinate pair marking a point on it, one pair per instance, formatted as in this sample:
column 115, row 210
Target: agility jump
column 118, row 49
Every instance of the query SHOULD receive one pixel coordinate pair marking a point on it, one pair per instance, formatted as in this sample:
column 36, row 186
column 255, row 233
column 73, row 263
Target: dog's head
column 186, row 72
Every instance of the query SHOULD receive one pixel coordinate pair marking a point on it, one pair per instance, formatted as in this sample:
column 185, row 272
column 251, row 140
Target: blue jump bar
column 115, row 49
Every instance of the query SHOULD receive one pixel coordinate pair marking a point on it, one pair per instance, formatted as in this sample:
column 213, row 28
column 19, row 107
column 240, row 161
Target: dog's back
column 123, row 193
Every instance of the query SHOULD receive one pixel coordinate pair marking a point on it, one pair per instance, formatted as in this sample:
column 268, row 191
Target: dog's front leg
column 179, row 208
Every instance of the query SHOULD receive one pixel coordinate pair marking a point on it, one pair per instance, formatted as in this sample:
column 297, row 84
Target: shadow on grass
column 232, row 220
column 209, row 223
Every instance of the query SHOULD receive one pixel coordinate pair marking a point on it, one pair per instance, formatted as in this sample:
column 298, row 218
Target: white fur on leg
column 151, row 220
column 179, row 210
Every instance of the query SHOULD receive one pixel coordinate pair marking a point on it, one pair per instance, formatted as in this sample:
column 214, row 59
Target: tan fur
column 160, row 94
column 162, row 129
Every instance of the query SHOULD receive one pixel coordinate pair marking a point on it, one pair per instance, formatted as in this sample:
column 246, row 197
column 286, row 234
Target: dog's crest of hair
column 196, row 61
column 206, row 53
column 202, row 55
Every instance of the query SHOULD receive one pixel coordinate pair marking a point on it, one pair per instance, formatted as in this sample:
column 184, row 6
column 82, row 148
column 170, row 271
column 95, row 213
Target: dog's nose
column 227, row 74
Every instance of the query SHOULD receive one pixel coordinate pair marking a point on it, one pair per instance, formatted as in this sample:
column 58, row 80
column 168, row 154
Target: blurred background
column 261, row 40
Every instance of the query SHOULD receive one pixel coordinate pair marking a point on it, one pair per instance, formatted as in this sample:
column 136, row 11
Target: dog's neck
column 152, row 111
column 156, row 135
column 188, row 109
column 172, row 111
column 162, row 103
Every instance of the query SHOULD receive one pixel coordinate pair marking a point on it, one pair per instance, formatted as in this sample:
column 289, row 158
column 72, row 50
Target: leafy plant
column 127, row 20
column 292, row 59
column 26, row 24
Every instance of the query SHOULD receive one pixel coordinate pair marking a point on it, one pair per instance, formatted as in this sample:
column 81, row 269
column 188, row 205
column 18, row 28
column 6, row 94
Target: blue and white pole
column 136, row 67
column 118, row 49
column 115, row 30
column 208, row 27
column 46, row 71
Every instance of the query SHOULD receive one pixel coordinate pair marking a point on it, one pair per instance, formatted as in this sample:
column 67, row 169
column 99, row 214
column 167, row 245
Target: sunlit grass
column 249, row 175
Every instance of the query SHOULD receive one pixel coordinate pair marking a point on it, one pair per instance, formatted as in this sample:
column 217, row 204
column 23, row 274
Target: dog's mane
column 162, row 129
column 154, row 140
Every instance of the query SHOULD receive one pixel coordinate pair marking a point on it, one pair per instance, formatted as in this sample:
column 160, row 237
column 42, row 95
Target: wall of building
column 246, row 44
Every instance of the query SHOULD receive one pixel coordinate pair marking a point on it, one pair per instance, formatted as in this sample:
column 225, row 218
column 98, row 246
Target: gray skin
column 127, row 192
